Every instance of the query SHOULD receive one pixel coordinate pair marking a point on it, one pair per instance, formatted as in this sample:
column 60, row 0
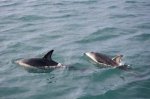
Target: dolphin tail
column 118, row 59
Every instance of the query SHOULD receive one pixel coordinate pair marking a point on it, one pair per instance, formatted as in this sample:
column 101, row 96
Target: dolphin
column 45, row 62
column 102, row 59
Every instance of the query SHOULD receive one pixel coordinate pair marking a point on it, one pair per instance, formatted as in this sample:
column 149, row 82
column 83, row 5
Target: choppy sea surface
column 30, row 28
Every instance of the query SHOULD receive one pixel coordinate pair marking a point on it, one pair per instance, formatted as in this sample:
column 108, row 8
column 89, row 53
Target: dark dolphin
column 105, row 60
column 44, row 63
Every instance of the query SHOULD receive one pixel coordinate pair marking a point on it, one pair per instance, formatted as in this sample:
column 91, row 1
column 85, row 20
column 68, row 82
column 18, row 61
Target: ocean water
column 30, row 28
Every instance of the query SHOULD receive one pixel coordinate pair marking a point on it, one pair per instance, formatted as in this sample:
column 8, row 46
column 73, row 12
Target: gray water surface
column 30, row 28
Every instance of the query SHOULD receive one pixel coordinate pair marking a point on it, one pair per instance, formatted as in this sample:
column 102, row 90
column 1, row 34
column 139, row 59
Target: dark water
column 30, row 28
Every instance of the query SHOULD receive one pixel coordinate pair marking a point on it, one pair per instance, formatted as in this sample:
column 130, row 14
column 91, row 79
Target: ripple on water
column 101, row 35
column 145, row 25
column 123, row 16
column 9, row 3
column 32, row 18
column 7, row 92
column 130, row 1
column 142, row 37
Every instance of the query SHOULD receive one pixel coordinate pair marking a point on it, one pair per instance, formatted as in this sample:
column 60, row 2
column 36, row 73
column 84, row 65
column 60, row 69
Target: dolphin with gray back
column 43, row 63
column 105, row 60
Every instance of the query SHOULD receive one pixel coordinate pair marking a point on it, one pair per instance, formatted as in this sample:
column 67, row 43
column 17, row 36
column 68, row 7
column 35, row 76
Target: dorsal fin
column 118, row 59
column 48, row 55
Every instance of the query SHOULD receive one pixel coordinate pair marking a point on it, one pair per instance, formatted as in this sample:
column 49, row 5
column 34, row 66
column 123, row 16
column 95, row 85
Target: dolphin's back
column 101, row 58
column 38, row 62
